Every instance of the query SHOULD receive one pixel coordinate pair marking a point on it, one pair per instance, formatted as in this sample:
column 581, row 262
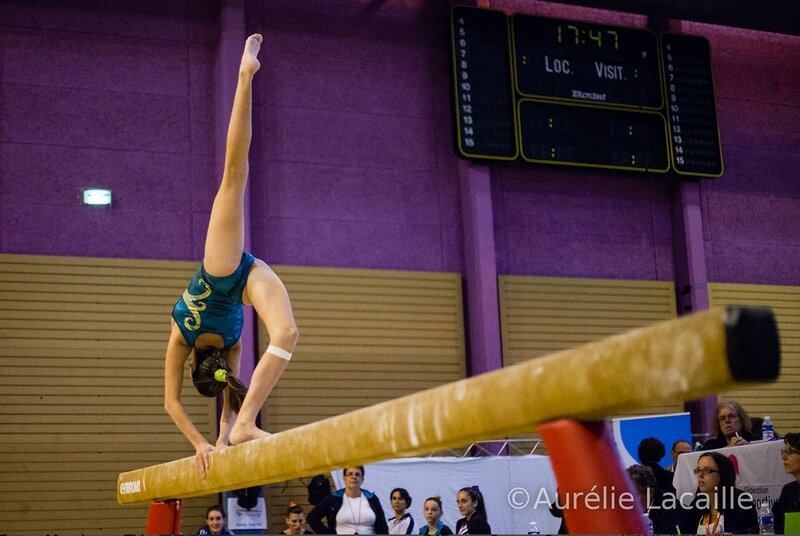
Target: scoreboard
column 555, row 91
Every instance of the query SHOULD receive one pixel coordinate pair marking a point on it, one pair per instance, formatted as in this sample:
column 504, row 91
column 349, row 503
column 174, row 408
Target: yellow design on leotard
column 195, row 305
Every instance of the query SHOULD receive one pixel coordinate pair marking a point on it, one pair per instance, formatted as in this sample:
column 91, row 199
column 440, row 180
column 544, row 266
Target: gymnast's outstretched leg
column 225, row 237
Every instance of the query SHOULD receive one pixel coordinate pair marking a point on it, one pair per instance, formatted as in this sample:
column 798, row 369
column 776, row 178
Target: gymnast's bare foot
column 242, row 433
column 250, row 63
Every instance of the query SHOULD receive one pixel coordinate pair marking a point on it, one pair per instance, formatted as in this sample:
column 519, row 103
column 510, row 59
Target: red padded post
column 592, row 483
column 164, row 517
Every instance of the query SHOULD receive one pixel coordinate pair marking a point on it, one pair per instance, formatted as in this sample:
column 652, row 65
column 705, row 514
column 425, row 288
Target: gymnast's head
column 211, row 374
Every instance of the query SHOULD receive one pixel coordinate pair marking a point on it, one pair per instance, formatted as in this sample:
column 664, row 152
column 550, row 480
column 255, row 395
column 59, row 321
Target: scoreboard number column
column 691, row 108
column 484, row 100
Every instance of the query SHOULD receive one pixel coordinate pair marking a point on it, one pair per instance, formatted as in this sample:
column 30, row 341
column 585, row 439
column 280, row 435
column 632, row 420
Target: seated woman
column 470, row 505
column 350, row 510
column 644, row 481
column 732, row 425
column 432, row 510
column 789, row 500
column 719, row 506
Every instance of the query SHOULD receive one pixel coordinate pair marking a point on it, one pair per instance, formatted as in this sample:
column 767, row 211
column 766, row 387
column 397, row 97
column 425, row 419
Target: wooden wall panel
column 779, row 400
column 82, row 355
column 542, row 315
column 366, row 336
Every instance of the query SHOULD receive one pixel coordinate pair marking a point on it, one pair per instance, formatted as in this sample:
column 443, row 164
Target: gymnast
column 207, row 320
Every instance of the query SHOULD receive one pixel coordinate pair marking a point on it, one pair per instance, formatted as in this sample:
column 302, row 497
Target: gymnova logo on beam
column 134, row 486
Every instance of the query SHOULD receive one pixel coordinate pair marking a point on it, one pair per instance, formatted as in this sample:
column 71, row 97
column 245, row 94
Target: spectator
column 557, row 511
column 789, row 500
column 401, row 522
column 719, row 507
column 644, row 481
column 661, row 509
column 651, row 450
column 215, row 521
column 732, row 425
column 350, row 510
column 679, row 447
column 471, row 506
column 432, row 510
column 295, row 519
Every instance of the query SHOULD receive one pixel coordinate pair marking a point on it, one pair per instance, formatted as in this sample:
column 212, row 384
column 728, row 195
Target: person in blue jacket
column 350, row 510
column 432, row 510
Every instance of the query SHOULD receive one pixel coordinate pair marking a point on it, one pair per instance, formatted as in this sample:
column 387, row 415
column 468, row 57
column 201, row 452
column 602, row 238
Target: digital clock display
column 578, row 35
column 562, row 59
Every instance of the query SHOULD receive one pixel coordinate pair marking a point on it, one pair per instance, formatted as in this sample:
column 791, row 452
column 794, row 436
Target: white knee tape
column 280, row 352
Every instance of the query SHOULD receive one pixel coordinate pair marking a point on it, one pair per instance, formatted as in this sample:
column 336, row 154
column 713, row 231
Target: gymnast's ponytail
column 212, row 374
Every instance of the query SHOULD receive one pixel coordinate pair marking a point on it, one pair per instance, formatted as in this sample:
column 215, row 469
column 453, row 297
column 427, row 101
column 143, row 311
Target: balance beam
column 679, row 359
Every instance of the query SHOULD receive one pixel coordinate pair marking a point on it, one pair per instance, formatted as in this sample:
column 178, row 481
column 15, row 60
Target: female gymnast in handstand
column 207, row 320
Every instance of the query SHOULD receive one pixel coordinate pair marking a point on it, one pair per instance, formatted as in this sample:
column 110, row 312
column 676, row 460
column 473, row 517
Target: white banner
column 517, row 489
column 759, row 470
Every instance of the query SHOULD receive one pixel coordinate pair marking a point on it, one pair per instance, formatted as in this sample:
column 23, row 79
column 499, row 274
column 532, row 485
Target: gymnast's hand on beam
column 201, row 458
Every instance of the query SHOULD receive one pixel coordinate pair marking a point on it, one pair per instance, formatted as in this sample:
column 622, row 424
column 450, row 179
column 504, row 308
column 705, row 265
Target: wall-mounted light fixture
column 96, row 196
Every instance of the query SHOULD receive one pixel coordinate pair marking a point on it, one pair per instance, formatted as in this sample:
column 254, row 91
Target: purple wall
column 119, row 99
column 577, row 224
column 750, row 215
column 355, row 140
column 352, row 163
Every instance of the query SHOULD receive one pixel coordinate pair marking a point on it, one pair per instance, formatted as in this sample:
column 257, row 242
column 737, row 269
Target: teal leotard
column 213, row 304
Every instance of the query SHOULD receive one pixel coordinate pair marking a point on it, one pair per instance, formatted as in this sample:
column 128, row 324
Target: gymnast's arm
column 177, row 353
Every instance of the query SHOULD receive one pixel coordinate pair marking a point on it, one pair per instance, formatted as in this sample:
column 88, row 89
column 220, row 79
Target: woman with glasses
column 732, row 425
column 719, row 507
column 789, row 500
column 350, row 510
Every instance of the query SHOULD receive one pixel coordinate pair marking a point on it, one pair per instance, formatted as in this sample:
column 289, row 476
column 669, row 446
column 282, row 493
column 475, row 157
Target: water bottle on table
column 766, row 522
column 767, row 429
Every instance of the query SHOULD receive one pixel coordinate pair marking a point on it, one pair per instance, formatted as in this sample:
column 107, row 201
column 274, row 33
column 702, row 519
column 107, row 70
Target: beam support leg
column 164, row 517
column 587, row 467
